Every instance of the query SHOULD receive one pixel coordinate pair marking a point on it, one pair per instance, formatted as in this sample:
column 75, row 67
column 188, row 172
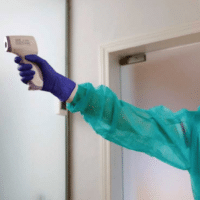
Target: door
column 171, row 78
column 32, row 136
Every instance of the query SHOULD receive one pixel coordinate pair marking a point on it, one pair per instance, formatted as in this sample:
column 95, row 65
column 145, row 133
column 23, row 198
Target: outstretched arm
column 157, row 132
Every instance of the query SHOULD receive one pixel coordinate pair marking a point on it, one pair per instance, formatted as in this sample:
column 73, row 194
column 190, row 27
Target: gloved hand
column 58, row 85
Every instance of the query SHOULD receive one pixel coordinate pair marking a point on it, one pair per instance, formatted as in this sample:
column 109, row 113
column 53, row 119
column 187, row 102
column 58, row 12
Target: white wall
column 32, row 136
column 94, row 23
column 170, row 78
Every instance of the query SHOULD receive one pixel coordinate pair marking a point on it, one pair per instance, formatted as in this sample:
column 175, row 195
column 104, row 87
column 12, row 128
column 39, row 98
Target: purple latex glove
column 58, row 85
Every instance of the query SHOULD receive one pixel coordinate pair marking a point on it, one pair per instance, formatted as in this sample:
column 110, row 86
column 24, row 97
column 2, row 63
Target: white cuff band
column 70, row 99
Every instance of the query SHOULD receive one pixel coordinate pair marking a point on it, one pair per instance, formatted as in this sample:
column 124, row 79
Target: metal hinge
column 133, row 59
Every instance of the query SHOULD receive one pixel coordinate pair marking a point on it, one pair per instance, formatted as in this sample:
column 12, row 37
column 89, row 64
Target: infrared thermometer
column 22, row 46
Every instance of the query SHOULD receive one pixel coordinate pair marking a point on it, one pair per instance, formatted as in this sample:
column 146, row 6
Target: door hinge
column 133, row 59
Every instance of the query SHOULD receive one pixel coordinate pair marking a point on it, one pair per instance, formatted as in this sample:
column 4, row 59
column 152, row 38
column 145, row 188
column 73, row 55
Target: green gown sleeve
column 157, row 132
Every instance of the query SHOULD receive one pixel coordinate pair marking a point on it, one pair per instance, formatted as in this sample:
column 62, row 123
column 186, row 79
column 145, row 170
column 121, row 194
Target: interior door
column 171, row 78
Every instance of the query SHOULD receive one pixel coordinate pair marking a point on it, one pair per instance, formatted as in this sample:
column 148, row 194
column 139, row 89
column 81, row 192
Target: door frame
column 109, row 75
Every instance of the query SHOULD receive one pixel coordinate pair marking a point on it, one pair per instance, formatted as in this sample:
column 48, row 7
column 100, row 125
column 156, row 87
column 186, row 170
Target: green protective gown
column 170, row 137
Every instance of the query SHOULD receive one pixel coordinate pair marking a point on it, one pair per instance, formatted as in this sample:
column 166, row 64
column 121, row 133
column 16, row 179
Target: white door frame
column 109, row 75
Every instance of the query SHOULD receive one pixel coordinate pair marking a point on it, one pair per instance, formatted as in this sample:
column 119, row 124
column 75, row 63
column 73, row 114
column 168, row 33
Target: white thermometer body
column 22, row 46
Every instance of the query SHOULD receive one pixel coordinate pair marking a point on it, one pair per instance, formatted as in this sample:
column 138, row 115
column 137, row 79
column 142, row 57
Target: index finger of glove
column 17, row 59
